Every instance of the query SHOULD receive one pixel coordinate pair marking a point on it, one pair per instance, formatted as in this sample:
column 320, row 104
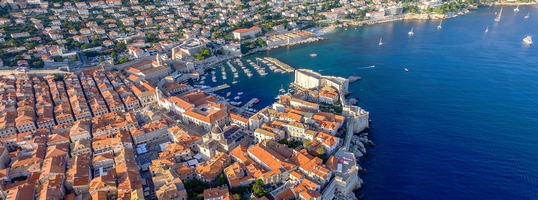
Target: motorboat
column 528, row 40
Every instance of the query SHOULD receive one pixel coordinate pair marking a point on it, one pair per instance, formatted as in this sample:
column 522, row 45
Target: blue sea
column 461, row 124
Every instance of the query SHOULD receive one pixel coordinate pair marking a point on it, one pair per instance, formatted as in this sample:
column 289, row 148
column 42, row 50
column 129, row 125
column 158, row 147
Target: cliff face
column 424, row 16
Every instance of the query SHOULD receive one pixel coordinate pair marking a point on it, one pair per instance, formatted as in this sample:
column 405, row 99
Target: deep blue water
column 461, row 124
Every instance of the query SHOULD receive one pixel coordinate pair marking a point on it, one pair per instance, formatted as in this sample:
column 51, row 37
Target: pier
column 243, row 108
column 214, row 89
column 280, row 64
column 354, row 78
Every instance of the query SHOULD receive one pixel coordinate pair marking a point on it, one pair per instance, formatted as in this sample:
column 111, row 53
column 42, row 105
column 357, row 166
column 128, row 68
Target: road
column 82, row 58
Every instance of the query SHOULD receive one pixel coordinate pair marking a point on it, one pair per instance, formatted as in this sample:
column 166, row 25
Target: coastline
column 513, row 4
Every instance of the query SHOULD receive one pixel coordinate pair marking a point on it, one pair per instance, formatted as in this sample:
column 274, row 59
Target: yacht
column 234, row 82
column 498, row 18
column 527, row 16
column 380, row 41
column 487, row 29
column 239, row 93
column 411, row 32
column 528, row 40
column 228, row 94
column 237, row 98
column 517, row 8
column 406, row 70
column 313, row 55
column 439, row 27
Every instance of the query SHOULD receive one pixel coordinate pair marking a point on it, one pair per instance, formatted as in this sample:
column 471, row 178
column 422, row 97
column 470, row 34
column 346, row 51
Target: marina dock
column 243, row 109
column 214, row 89
column 280, row 64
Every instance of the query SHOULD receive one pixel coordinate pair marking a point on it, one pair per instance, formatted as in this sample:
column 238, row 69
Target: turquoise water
column 461, row 124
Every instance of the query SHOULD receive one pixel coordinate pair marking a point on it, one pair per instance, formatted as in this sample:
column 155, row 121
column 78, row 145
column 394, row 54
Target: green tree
column 37, row 64
column 307, row 144
column 203, row 54
column 30, row 45
column 58, row 59
column 113, row 55
column 320, row 150
column 57, row 77
column 221, row 180
column 101, row 59
column 74, row 58
column 124, row 60
column 91, row 53
column 258, row 190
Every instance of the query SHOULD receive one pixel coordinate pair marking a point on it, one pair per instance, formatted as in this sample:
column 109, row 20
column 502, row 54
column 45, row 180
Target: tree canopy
column 203, row 54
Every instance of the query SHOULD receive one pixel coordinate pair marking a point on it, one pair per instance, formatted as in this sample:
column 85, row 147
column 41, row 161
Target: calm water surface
column 461, row 124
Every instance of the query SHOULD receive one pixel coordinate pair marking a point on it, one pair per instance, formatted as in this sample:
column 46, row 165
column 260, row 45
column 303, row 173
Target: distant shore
column 513, row 4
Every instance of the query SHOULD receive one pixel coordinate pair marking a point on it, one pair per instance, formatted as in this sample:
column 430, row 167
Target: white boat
column 406, row 70
column 212, row 72
column 234, row 82
column 487, row 29
column 237, row 98
column 282, row 89
column 528, row 40
column 527, row 16
column 380, row 41
column 498, row 18
column 313, row 55
column 411, row 32
column 517, row 8
column 439, row 27
column 240, row 93
column 228, row 94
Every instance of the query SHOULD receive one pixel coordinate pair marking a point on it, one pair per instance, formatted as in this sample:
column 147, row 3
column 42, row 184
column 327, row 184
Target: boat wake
column 369, row 67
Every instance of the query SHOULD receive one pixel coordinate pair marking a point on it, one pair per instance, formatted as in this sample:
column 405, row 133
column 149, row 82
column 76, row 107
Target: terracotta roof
column 220, row 192
column 245, row 30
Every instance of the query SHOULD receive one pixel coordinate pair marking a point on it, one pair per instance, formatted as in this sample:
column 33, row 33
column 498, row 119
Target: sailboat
column 439, row 27
column 380, row 41
column 527, row 16
column 486, row 29
column 498, row 18
column 517, row 8
column 411, row 32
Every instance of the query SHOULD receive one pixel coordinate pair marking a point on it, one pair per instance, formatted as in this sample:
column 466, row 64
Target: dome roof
column 216, row 130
